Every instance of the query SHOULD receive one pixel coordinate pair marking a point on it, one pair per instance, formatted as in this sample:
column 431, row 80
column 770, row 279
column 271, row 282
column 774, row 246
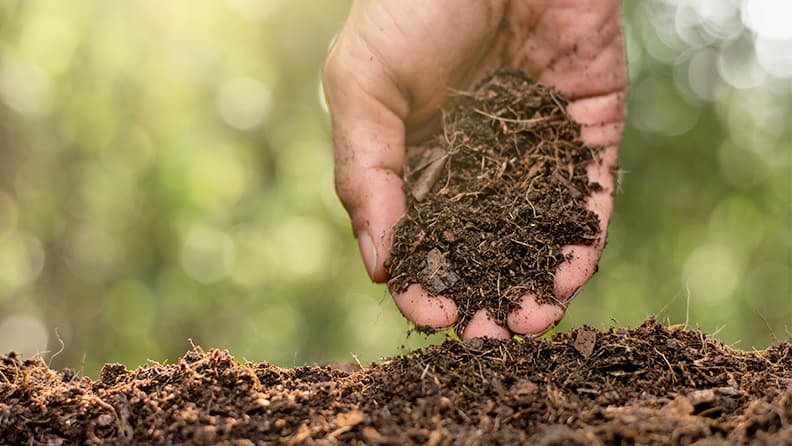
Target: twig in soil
column 773, row 336
column 670, row 368
column 357, row 360
column 457, row 92
column 430, row 175
column 425, row 371
column 514, row 121
column 121, row 424
column 574, row 191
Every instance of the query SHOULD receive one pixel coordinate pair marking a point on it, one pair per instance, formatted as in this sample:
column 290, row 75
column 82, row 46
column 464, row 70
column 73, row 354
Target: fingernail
column 367, row 251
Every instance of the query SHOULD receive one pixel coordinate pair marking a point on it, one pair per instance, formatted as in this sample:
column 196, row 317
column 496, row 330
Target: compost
column 648, row 385
column 493, row 198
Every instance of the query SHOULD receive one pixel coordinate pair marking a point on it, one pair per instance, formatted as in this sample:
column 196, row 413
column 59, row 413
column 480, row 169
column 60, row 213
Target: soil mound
column 493, row 198
column 649, row 385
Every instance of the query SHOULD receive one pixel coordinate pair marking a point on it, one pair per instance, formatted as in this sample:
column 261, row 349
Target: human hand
column 390, row 72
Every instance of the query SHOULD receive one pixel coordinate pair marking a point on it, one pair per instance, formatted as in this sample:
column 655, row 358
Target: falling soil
column 649, row 385
column 494, row 197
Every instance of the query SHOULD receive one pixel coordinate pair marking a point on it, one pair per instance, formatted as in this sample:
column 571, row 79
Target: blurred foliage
column 166, row 173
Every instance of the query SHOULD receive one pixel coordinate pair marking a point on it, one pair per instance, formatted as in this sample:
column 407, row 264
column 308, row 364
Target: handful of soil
column 493, row 198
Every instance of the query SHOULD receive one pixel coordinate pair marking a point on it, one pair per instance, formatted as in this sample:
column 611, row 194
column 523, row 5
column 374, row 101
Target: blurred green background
column 166, row 173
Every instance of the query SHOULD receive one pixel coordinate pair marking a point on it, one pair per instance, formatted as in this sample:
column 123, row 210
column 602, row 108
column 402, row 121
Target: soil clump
column 493, row 198
column 648, row 385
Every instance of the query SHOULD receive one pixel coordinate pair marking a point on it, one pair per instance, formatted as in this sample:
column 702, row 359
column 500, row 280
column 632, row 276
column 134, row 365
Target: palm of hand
column 410, row 57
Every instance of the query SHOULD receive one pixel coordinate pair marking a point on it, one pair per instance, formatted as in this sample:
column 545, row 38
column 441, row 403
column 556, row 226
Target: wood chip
column 584, row 342
column 438, row 273
column 423, row 185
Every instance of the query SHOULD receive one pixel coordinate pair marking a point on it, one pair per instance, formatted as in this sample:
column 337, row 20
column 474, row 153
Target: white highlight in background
column 244, row 102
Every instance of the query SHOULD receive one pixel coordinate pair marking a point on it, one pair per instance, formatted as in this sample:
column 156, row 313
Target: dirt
column 493, row 198
column 648, row 385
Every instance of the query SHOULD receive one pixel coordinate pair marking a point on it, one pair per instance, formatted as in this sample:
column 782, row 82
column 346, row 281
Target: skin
column 391, row 70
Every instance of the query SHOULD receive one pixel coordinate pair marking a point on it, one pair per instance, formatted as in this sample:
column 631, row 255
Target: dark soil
column 650, row 385
column 493, row 198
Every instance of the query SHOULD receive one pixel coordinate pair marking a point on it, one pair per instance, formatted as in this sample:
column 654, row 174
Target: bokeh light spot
column 244, row 102
column 775, row 56
column 301, row 247
column 711, row 272
column 24, row 334
column 130, row 297
column 739, row 223
column 207, row 254
column 737, row 64
column 8, row 213
column 253, row 266
column 25, row 88
column 661, row 109
column 217, row 178
column 51, row 38
column 22, row 259
column 703, row 74
column 768, row 18
column 254, row 9
column 93, row 252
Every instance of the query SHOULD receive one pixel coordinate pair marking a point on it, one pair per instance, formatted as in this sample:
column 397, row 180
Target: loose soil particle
column 493, row 198
column 649, row 385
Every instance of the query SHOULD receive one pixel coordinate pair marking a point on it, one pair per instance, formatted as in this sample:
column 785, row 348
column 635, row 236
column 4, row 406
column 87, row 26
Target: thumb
column 367, row 111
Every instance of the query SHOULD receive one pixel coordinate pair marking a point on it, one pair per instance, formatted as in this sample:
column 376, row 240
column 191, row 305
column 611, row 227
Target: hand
column 389, row 74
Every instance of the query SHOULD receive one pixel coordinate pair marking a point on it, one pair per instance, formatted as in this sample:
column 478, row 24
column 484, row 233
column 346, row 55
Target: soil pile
column 649, row 385
column 493, row 198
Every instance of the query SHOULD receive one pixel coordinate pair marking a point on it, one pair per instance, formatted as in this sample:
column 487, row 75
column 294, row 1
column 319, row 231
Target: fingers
column 581, row 263
column 439, row 312
column 374, row 199
column 482, row 325
column 601, row 118
column 572, row 274
column 533, row 318
column 367, row 110
column 579, row 49
column 435, row 312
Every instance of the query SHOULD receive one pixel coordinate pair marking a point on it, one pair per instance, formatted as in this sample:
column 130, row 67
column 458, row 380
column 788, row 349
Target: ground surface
column 493, row 198
column 650, row 385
